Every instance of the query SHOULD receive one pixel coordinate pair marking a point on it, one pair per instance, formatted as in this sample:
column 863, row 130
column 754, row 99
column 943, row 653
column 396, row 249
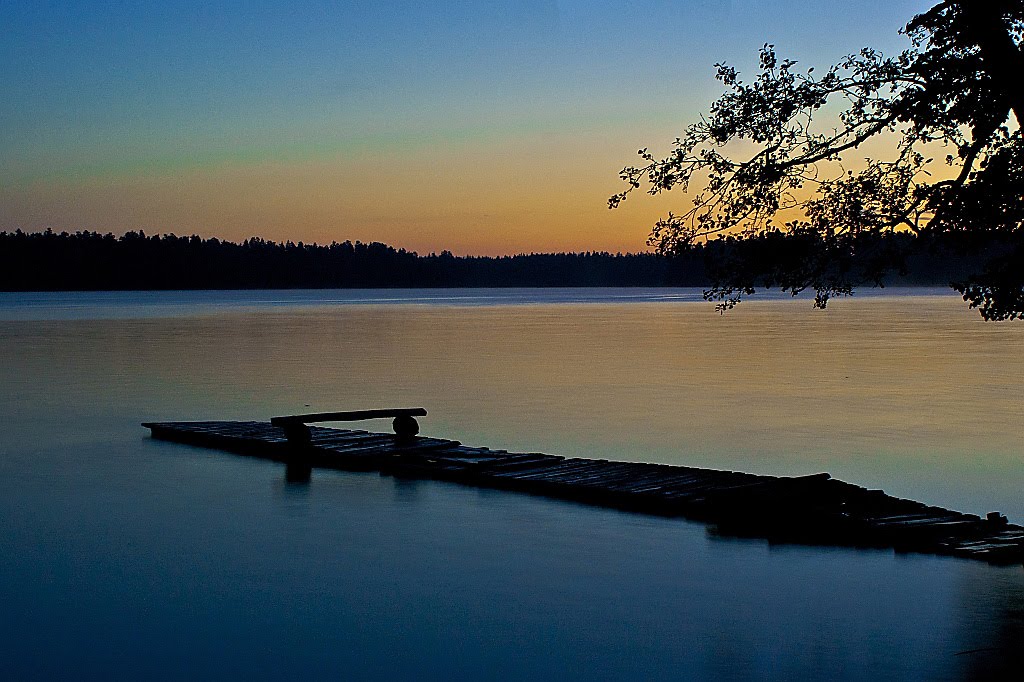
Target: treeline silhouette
column 51, row 261
column 93, row 261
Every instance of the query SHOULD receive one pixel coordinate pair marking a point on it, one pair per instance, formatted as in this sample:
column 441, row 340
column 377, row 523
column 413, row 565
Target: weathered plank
column 348, row 416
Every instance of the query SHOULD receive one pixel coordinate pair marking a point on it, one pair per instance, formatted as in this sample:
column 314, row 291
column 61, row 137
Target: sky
column 478, row 127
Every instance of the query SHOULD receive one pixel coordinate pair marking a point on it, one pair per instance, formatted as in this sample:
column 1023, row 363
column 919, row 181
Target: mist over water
column 121, row 556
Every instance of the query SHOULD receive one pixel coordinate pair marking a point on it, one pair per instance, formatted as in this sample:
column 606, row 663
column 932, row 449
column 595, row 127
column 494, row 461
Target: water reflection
column 991, row 609
column 117, row 552
column 298, row 474
column 917, row 396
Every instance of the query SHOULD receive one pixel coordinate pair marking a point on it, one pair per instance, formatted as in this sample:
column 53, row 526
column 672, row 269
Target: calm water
column 122, row 557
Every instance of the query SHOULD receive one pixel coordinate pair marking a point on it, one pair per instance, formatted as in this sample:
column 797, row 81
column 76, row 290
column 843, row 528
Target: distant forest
column 51, row 261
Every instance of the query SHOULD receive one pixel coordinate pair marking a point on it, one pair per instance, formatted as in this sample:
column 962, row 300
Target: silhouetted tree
column 954, row 94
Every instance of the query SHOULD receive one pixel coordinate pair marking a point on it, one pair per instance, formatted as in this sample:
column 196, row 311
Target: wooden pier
column 815, row 510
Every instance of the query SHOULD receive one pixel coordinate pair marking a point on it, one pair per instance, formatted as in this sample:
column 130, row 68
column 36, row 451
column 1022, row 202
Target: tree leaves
column 947, row 90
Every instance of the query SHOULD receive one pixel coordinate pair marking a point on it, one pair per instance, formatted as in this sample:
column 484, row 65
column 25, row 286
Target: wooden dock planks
column 814, row 509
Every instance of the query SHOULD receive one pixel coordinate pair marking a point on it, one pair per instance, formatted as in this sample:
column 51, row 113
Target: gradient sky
column 479, row 127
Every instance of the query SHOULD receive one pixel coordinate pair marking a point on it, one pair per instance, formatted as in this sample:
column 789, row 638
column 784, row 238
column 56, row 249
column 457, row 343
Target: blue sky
column 478, row 127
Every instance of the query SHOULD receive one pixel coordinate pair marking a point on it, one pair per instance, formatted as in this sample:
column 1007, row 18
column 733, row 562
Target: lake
column 123, row 557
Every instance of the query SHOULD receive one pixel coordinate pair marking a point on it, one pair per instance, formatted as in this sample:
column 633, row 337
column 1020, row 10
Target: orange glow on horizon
column 540, row 196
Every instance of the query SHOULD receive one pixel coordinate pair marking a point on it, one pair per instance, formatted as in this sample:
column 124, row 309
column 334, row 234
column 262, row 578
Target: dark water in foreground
column 122, row 557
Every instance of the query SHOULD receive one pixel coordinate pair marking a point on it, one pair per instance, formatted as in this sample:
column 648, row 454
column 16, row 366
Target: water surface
column 125, row 557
